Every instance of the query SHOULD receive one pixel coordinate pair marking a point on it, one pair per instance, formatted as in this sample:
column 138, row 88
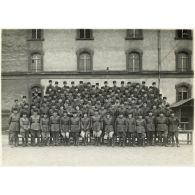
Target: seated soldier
column 45, row 129
column 24, row 128
column 109, row 129
column 85, row 128
column 65, row 128
column 121, row 128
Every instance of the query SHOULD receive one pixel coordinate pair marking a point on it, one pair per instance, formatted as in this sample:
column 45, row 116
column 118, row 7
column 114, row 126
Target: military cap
column 93, row 85
column 64, row 82
column 16, row 100
column 24, row 96
column 154, row 83
column 167, row 105
column 50, row 81
column 105, row 82
column 26, row 104
column 45, row 96
column 114, row 81
column 97, row 83
column 15, row 109
column 56, row 82
column 128, row 82
column 35, row 110
column 164, row 98
column 143, row 82
column 160, row 95
column 88, row 83
column 72, row 82
column 122, row 82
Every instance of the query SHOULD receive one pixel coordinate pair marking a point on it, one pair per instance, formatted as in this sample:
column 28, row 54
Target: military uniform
column 45, row 130
column 55, row 128
column 96, row 123
column 131, row 130
column 24, row 129
column 141, row 131
column 85, row 129
column 109, row 130
column 150, row 127
column 75, row 128
column 65, row 128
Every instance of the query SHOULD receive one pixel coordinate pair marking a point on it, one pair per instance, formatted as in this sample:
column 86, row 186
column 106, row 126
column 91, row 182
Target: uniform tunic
column 120, row 124
column 44, row 124
column 65, row 124
column 96, row 123
column 150, row 126
column 55, row 123
column 24, row 125
column 131, row 124
column 35, row 122
column 14, row 122
column 75, row 124
column 85, row 124
column 162, row 123
column 108, row 124
column 140, row 125
column 173, row 124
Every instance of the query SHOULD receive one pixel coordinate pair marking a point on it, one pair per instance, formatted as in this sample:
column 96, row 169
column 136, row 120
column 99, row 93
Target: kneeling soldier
column 55, row 127
column 120, row 127
column 85, row 128
column 65, row 128
column 162, row 129
column 131, row 129
column 75, row 128
column 96, row 123
column 140, row 129
column 45, row 129
column 14, row 126
column 150, row 126
column 35, row 127
column 109, row 129
column 173, row 128
column 24, row 128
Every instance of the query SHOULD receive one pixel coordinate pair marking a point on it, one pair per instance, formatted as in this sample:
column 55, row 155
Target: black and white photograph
column 97, row 97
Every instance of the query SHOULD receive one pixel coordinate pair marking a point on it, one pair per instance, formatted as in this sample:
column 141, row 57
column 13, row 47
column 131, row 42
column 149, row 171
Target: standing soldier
column 162, row 129
column 141, row 130
column 15, row 106
column 50, row 87
column 120, row 127
column 75, row 128
column 65, row 127
column 14, row 127
column 131, row 129
column 55, row 127
column 173, row 128
column 45, row 129
column 96, row 124
column 24, row 128
column 24, row 101
column 150, row 127
column 85, row 128
column 35, row 127
column 109, row 129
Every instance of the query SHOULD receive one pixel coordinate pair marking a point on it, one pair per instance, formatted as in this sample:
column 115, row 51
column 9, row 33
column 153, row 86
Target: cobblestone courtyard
column 96, row 156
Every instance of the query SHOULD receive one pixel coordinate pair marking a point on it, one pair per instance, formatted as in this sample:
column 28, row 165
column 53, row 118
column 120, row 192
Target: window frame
column 177, row 37
column 140, row 37
column 85, row 38
column 36, row 39
column 30, row 61
column 179, row 86
column 140, row 54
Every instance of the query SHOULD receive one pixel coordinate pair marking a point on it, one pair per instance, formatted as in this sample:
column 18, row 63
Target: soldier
column 121, row 128
column 65, row 128
column 173, row 128
column 150, row 127
column 109, row 129
column 13, row 123
column 45, row 129
column 55, row 127
column 75, row 127
column 141, row 130
column 162, row 129
column 85, row 128
column 26, row 110
column 15, row 106
column 35, row 127
column 24, row 128
column 24, row 101
column 44, row 109
column 155, row 89
column 50, row 87
column 131, row 129
column 96, row 124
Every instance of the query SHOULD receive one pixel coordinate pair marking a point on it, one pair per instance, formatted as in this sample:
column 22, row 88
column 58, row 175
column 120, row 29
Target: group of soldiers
column 129, row 114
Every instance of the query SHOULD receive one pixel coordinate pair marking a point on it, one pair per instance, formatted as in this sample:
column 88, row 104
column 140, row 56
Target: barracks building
column 30, row 58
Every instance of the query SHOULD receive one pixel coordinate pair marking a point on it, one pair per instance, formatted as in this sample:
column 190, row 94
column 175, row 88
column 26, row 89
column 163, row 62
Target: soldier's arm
column 10, row 119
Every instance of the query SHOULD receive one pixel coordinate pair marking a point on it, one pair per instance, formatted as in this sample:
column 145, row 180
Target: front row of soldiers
column 57, row 130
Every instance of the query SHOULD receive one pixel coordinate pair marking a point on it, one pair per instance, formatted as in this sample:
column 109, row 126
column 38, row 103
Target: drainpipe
column 159, row 57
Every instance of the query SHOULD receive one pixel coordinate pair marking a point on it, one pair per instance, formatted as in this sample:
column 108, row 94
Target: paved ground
column 96, row 156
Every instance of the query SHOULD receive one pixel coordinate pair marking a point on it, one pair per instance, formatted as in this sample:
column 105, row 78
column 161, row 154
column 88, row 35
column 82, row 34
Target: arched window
column 183, row 91
column 85, row 60
column 36, row 62
column 133, row 62
column 183, row 61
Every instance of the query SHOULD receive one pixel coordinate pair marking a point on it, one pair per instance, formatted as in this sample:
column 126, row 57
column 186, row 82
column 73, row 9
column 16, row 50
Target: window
column 183, row 91
column 183, row 61
column 84, row 34
column 36, row 63
column 134, row 34
column 36, row 34
column 183, row 34
column 133, row 62
column 85, row 62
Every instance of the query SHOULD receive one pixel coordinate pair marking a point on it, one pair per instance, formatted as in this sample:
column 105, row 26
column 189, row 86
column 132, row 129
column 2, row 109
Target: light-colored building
column 32, row 57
